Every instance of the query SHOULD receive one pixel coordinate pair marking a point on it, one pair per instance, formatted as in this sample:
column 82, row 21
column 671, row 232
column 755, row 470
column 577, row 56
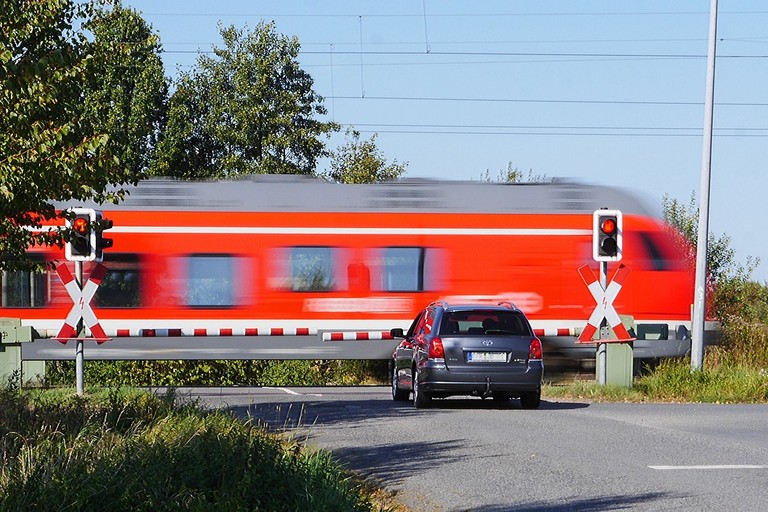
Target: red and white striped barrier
column 356, row 336
column 244, row 331
column 565, row 331
column 275, row 331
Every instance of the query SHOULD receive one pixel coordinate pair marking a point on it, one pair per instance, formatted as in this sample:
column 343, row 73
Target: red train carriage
column 300, row 257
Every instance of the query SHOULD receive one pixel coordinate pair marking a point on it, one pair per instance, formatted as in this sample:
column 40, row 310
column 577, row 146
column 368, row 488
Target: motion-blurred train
column 288, row 256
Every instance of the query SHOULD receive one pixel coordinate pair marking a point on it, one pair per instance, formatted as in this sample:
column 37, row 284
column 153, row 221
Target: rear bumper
column 437, row 380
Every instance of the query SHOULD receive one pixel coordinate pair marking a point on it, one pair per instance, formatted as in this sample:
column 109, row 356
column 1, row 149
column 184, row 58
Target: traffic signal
column 606, row 235
column 102, row 224
column 82, row 240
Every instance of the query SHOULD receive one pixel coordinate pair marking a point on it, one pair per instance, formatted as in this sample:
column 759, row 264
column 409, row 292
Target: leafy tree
column 361, row 162
column 721, row 259
column 46, row 152
column 127, row 89
column 250, row 109
column 730, row 292
column 514, row 175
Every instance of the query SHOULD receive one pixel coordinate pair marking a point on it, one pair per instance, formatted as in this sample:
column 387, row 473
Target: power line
column 551, row 134
column 507, row 54
column 535, row 100
column 546, row 127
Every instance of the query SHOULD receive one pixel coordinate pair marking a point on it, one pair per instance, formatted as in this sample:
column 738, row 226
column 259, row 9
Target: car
column 485, row 350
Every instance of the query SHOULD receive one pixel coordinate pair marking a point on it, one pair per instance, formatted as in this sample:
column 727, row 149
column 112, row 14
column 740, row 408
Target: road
column 473, row 455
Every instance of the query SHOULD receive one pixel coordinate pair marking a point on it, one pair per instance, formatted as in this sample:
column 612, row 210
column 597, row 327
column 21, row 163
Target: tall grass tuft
column 127, row 450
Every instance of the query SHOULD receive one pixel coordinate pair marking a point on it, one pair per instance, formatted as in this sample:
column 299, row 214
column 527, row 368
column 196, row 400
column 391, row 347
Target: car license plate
column 487, row 357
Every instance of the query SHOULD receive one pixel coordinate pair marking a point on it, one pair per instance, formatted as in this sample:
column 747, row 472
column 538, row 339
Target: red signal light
column 609, row 226
column 81, row 226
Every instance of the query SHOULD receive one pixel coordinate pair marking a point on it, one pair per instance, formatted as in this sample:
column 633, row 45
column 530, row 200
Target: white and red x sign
column 82, row 307
column 604, row 308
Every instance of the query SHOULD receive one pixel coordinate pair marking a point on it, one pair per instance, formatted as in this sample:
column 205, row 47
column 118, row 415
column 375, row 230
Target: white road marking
column 716, row 466
column 291, row 392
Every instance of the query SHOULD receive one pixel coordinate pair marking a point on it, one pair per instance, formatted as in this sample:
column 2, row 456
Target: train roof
column 302, row 194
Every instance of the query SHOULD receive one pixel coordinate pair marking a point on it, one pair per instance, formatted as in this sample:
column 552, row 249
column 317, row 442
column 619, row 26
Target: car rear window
column 483, row 322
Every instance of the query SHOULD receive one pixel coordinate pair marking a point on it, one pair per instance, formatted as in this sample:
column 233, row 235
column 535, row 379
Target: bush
column 220, row 373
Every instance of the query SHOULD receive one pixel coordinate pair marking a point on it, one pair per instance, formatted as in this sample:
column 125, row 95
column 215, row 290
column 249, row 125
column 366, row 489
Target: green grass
column 674, row 381
column 129, row 450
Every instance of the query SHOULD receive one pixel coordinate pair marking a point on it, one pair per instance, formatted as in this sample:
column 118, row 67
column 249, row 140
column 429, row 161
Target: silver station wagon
column 470, row 349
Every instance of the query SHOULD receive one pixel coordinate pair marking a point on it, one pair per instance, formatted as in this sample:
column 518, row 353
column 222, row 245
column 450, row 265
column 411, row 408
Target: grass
column 129, row 450
column 734, row 371
column 673, row 381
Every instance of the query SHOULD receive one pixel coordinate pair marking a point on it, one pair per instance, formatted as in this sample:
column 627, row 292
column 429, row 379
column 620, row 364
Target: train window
column 311, row 269
column 401, row 269
column 120, row 286
column 24, row 289
column 655, row 258
column 210, row 280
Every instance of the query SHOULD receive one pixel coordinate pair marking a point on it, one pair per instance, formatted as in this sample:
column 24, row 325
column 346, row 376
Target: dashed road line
column 291, row 392
column 709, row 467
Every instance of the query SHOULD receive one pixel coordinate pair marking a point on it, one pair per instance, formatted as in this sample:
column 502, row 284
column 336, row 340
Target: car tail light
column 534, row 352
column 435, row 350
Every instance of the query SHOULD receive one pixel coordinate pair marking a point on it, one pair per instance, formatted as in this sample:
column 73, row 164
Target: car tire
column 398, row 395
column 531, row 400
column 421, row 399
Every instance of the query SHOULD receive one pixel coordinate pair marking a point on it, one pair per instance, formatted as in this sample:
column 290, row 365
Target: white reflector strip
column 278, row 230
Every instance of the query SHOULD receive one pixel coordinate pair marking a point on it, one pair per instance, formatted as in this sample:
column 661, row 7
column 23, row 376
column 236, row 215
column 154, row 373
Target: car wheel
column 398, row 395
column 531, row 400
column 420, row 398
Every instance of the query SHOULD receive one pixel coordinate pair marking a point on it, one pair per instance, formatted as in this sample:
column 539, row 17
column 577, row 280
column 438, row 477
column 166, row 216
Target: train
column 287, row 257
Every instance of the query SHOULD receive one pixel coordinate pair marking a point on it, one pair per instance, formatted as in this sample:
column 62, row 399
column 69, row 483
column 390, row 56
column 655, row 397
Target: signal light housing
column 86, row 241
column 102, row 224
column 607, row 228
column 81, row 245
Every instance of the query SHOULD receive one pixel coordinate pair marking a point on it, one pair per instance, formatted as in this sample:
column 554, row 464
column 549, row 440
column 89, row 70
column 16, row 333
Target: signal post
column 86, row 243
column 607, row 245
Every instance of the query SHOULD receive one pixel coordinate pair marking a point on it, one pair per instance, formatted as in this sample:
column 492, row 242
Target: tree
column 250, row 109
column 721, row 259
column 46, row 152
column 515, row 175
column 727, row 280
column 126, row 92
column 361, row 162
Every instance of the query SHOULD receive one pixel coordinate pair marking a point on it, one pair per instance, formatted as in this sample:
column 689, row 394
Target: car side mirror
column 397, row 332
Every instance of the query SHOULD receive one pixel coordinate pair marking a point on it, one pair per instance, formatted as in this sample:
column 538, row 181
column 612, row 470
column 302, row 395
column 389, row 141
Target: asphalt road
column 473, row 455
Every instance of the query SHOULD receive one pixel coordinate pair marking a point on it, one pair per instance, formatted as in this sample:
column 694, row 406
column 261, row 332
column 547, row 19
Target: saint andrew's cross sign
column 81, row 307
column 604, row 305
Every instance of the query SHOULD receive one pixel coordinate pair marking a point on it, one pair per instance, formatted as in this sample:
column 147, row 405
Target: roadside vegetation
column 220, row 373
column 122, row 449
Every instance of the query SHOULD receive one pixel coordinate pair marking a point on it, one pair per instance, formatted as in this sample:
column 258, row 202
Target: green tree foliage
column 721, row 259
column 361, row 162
column 126, row 88
column 46, row 152
column 514, row 175
column 740, row 304
column 249, row 109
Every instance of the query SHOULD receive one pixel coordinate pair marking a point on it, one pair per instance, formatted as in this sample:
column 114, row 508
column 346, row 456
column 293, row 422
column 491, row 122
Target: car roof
column 504, row 306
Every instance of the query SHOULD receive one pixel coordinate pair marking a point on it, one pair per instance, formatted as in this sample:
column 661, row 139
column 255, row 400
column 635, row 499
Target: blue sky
column 599, row 91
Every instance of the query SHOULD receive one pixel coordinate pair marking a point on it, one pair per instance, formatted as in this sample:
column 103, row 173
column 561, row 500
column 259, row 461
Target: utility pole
column 700, row 291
